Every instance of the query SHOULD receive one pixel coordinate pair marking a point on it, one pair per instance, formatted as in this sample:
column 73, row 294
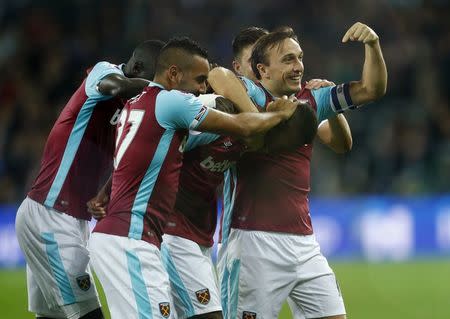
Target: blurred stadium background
column 381, row 212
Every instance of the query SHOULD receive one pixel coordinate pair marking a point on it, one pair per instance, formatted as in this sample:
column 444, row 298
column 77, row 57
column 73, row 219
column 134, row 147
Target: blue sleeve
column 177, row 110
column 323, row 102
column 98, row 72
column 196, row 139
column 255, row 92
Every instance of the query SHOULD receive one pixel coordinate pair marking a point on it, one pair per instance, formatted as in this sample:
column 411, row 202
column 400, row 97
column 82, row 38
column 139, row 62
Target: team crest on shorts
column 84, row 282
column 248, row 315
column 203, row 296
column 164, row 309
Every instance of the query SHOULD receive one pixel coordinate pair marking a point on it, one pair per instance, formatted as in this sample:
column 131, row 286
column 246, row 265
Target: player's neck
column 273, row 90
column 162, row 81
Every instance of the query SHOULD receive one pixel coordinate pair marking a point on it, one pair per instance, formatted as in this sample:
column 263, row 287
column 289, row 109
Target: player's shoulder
column 106, row 65
column 103, row 68
column 176, row 96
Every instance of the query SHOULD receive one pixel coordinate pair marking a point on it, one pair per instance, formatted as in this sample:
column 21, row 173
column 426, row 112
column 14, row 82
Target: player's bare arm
column 336, row 134
column 244, row 125
column 333, row 132
column 372, row 85
column 224, row 82
column 121, row 86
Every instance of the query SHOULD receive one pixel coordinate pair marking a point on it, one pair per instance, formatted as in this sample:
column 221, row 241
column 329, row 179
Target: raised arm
column 224, row 82
column 372, row 85
column 121, row 86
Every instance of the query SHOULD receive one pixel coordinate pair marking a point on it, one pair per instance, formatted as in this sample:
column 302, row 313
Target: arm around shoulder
column 121, row 86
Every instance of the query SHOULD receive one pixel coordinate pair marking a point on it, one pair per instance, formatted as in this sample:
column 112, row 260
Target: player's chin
column 293, row 86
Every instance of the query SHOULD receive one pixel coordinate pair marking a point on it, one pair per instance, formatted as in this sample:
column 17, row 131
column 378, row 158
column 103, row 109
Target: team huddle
column 149, row 147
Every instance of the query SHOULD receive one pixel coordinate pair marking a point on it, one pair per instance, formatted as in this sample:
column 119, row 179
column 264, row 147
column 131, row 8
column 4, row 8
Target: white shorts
column 263, row 269
column 192, row 276
column 297, row 312
column 133, row 278
column 222, row 274
column 59, row 280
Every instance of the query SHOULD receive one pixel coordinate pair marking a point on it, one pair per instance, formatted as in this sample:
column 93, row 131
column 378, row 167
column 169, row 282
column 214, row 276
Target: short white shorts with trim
column 59, row 280
column 263, row 269
column 192, row 276
column 133, row 278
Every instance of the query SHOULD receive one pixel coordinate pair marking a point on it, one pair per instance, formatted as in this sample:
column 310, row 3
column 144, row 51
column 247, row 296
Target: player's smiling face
column 285, row 69
column 193, row 79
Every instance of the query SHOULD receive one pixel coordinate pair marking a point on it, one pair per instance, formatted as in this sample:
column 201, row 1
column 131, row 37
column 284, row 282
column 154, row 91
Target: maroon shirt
column 195, row 213
column 272, row 189
column 78, row 154
column 148, row 159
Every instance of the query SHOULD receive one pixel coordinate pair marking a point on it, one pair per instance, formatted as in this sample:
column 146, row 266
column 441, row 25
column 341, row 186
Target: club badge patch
column 203, row 296
column 248, row 315
column 164, row 309
column 84, row 282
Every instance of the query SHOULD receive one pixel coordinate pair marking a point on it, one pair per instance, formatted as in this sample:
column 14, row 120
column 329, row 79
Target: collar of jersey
column 155, row 84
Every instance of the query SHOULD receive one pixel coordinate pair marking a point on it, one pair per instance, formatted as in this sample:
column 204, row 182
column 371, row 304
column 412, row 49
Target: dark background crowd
column 401, row 144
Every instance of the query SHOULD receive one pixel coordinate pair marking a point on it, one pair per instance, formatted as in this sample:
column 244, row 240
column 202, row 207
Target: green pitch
column 371, row 291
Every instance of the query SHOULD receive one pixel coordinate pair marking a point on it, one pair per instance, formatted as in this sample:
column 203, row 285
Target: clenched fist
column 361, row 33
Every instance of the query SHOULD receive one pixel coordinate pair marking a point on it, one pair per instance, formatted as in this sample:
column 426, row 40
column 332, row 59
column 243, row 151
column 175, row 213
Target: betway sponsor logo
column 212, row 166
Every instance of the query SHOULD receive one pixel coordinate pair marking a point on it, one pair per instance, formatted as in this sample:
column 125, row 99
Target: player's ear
column 236, row 67
column 262, row 70
column 138, row 68
column 174, row 74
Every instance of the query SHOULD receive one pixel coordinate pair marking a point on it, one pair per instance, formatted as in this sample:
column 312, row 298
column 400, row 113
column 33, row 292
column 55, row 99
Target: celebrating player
column 271, row 251
column 51, row 222
column 124, row 245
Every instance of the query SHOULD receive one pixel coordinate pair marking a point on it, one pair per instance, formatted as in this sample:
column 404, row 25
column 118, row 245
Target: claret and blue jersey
column 148, row 158
column 78, row 153
column 269, row 192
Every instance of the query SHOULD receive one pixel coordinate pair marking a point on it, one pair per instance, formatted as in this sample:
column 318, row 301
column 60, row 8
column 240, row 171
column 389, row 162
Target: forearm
column 121, row 86
column 132, row 88
column 225, row 83
column 257, row 124
column 372, row 85
column 374, row 75
column 336, row 134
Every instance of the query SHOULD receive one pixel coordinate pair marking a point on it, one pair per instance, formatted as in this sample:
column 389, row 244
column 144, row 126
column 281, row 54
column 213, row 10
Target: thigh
column 317, row 292
column 132, row 276
column 56, row 257
column 259, row 274
column 192, row 277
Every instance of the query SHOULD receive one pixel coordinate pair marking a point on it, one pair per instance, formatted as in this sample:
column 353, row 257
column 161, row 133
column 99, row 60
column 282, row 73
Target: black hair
column 178, row 51
column 246, row 37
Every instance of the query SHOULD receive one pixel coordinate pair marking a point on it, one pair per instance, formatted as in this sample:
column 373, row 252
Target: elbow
column 374, row 94
column 216, row 76
column 377, row 91
column 345, row 148
column 342, row 147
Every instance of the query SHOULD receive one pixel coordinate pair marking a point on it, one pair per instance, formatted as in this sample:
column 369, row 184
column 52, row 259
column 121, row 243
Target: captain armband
column 340, row 98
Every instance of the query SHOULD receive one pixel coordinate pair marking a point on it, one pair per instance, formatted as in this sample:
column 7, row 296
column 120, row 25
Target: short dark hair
column 149, row 47
column 177, row 51
column 246, row 37
column 259, row 53
column 147, row 53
